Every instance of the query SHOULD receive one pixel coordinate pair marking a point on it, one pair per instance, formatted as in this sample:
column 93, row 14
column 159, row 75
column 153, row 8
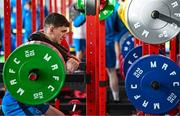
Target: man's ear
column 51, row 28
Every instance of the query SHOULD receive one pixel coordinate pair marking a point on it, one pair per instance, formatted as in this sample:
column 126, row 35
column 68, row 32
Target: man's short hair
column 57, row 20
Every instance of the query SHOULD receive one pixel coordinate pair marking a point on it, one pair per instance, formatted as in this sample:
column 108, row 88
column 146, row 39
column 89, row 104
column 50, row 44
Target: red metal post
column 92, row 106
column 90, row 63
column 172, row 52
column 102, row 71
column 50, row 6
column 136, row 42
column 97, row 81
column 7, row 28
column 101, row 67
column 33, row 15
column 55, row 6
column 95, row 63
column 154, row 49
column 144, row 48
column 18, row 23
column 63, row 7
column 70, row 2
column 41, row 14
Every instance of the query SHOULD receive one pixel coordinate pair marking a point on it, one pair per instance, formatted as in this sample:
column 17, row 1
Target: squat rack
column 95, row 50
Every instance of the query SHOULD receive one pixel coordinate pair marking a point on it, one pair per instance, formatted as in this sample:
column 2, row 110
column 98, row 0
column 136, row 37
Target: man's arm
column 72, row 63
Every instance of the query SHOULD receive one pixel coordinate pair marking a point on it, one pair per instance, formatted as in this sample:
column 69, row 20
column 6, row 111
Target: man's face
column 59, row 33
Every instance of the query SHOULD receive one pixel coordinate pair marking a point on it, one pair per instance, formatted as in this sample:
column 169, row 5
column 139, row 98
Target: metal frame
column 95, row 65
column 33, row 15
column 95, row 51
column 50, row 6
column 63, row 7
column 55, row 6
column 7, row 28
column 173, row 52
column 18, row 23
column 41, row 14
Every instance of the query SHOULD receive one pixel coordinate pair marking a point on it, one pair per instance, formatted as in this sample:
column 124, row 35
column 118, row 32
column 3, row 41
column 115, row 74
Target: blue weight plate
column 153, row 84
column 127, row 45
column 123, row 38
column 132, row 56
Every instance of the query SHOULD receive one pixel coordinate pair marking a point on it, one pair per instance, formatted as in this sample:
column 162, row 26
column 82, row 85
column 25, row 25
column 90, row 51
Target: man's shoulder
column 37, row 36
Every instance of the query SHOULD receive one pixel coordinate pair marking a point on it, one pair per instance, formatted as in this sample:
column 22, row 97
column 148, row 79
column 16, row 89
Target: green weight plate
column 80, row 4
column 40, row 60
column 107, row 10
column 104, row 13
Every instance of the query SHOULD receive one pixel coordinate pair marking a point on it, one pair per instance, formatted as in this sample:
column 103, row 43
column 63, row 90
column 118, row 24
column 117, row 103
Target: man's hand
column 72, row 65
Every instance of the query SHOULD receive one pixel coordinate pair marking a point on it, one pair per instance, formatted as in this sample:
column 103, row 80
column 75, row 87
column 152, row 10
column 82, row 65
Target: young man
column 55, row 28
